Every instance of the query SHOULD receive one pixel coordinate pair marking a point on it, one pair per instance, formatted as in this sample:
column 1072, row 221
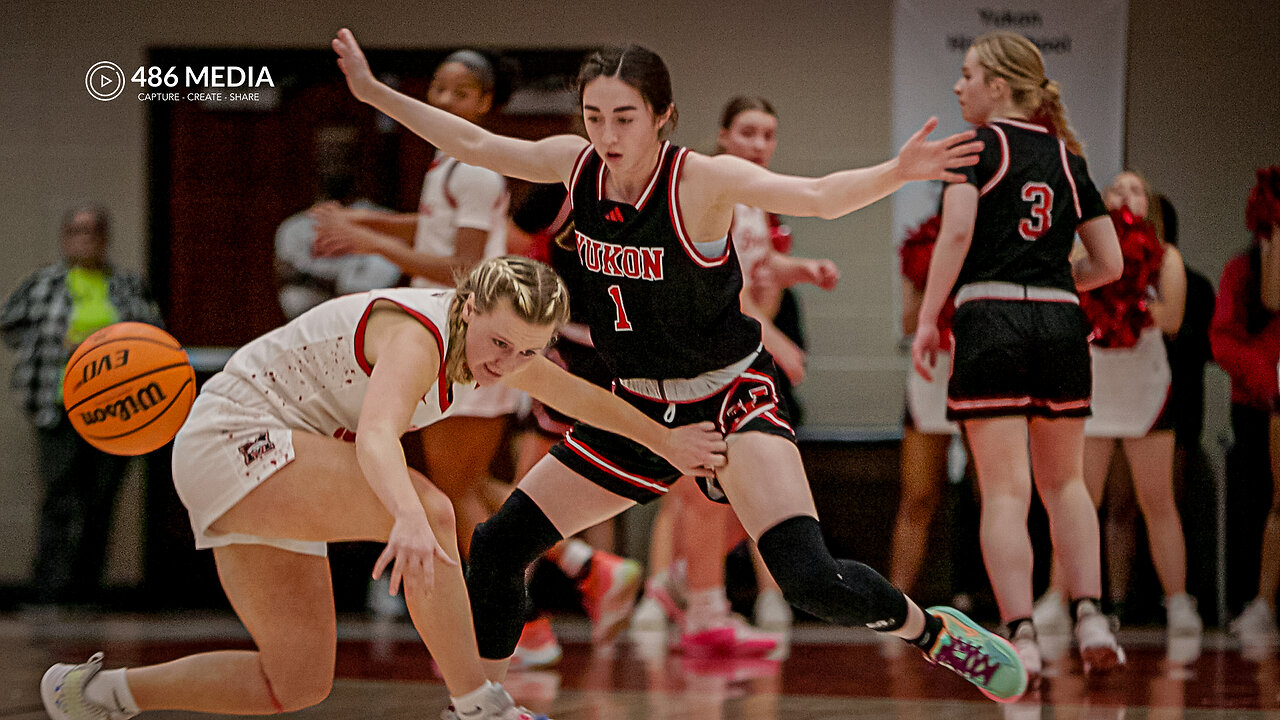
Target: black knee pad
column 502, row 548
column 843, row 592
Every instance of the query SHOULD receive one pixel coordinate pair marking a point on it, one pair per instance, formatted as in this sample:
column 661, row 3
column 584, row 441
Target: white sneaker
column 1097, row 640
column 1181, row 616
column 1050, row 615
column 1256, row 626
column 498, row 706
column 773, row 612
column 1024, row 641
column 648, row 616
column 62, row 690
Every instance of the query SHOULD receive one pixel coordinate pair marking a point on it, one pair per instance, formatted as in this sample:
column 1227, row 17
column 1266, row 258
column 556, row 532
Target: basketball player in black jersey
column 652, row 223
column 1021, row 369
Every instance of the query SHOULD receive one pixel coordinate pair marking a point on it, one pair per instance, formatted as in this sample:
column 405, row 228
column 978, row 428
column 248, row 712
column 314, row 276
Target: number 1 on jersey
column 621, row 323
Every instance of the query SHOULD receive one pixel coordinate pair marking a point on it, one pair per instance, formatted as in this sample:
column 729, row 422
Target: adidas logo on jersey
column 615, row 215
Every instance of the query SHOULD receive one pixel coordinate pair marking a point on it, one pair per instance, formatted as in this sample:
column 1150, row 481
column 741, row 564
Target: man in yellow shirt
column 52, row 311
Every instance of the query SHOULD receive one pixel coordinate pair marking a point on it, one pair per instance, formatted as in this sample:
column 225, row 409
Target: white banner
column 1083, row 43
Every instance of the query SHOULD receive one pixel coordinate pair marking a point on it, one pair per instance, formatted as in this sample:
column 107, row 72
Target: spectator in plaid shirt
column 52, row 312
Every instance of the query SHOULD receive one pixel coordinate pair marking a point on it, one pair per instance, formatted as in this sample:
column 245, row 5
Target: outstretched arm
column 740, row 181
column 544, row 161
column 692, row 449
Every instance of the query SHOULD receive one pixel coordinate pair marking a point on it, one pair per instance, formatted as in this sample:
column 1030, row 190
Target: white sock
column 474, row 701
column 110, row 689
column 658, row 579
column 574, row 557
column 771, row 594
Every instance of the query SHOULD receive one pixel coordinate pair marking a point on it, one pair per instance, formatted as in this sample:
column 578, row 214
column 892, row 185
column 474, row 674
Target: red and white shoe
column 538, row 646
column 608, row 594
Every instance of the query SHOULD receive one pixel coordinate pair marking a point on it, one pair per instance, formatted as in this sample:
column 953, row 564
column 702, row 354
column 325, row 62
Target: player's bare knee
column 298, row 687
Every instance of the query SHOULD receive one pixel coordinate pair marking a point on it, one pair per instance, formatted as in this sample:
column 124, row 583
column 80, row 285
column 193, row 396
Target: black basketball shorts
column 1019, row 357
column 750, row 403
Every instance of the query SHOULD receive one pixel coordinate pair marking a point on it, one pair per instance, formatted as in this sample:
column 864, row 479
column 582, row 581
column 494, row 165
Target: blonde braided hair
column 537, row 295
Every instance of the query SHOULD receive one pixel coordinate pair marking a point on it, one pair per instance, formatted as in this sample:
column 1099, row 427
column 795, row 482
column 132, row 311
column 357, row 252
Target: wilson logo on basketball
column 128, row 388
column 144, row 399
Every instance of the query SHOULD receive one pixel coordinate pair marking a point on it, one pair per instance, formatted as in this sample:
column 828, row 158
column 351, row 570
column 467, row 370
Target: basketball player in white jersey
column 297, row 444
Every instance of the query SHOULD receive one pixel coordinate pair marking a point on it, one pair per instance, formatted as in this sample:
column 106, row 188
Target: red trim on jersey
column 1066, row 168
column 653, row 180
column 777, row 421
column 442, row 381
column 562, row 217
column 677, row 218
column 577, row 170
column 600, row 462
column 1004, row 161
column 1024, row 125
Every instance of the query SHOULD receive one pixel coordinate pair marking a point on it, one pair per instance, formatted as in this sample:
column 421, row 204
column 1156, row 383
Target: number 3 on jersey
column 1040, row 196
column 620, row 323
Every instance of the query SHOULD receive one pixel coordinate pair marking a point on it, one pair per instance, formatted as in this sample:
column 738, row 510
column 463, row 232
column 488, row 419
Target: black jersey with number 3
column 1033, row 194
column 657, row 308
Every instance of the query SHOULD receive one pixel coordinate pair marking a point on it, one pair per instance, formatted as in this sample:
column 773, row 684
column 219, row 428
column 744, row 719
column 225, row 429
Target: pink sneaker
column 608, row 594
column 735, row 637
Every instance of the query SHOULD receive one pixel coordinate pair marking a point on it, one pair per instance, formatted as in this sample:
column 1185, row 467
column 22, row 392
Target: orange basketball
column 128, row 388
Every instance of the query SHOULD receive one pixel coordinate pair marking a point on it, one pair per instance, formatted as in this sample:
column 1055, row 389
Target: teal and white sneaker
column 977, row 655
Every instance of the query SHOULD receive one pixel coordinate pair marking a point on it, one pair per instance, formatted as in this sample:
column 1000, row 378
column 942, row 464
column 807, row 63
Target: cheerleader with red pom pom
column 1131, row 407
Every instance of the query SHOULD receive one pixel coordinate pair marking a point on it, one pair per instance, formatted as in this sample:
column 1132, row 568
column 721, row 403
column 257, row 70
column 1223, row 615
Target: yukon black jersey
column 1033, row 194
column 657, row 307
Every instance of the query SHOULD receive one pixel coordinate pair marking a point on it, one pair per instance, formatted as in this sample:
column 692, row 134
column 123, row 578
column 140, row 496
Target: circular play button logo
column 104, row 81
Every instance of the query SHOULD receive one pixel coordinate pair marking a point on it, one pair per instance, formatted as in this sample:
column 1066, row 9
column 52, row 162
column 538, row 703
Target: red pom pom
column 917, row 249
column 1118, row 312
column 914, row 254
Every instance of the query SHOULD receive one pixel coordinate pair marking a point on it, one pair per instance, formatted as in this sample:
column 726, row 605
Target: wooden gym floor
column 384, row 672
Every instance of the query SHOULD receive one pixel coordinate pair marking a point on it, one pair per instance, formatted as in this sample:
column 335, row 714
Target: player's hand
column 924, row 159
column 336, row 234
column 924, row 349
column 411, row 552
column 824, row 274
column 353, row 64
column 695, row 450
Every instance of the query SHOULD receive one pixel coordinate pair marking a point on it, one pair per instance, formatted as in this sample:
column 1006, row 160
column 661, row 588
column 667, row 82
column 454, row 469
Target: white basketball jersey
column 751, row 237
column 456, row 195
column 312, row 372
